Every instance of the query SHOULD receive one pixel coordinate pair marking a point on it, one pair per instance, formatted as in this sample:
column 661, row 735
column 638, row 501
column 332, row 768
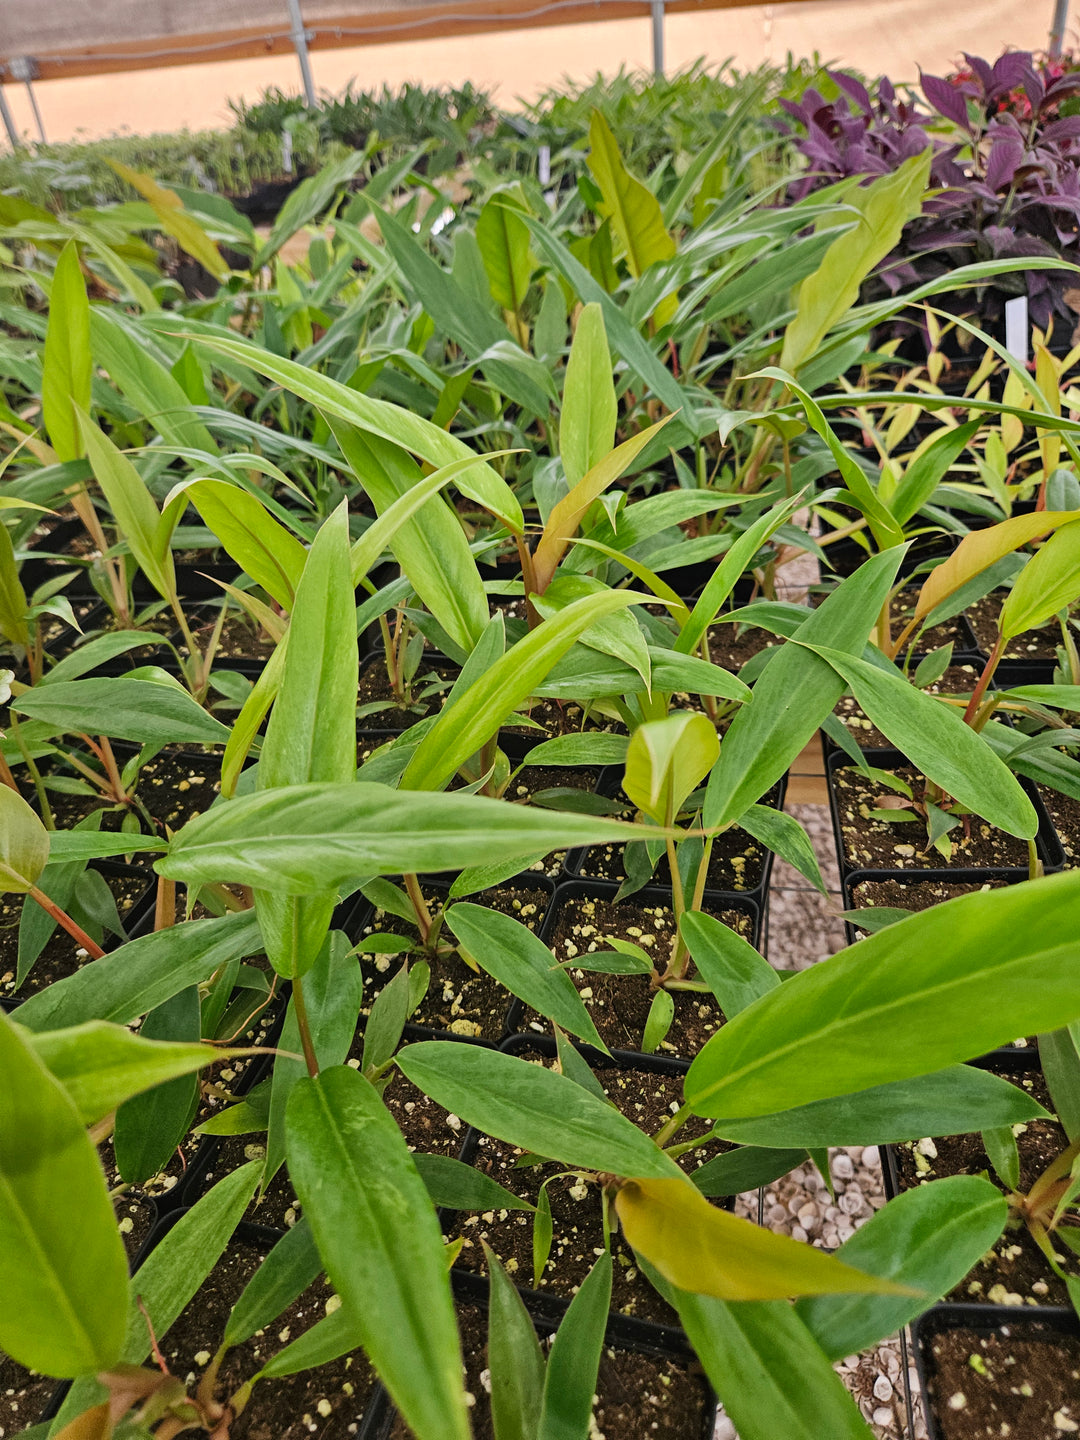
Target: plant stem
column 419, row 904
column 303, row 1025
column 35, row 775
column 165, row 904
column 984, row 680
column 528, row 576
column 672, row 1126
column 61, row 917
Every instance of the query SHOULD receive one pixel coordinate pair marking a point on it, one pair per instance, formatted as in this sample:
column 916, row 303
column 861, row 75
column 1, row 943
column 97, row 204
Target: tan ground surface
column 874, row 35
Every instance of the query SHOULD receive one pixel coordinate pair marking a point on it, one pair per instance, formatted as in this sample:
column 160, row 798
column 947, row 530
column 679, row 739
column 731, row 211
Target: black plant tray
column 984, row 1319
column 610, row 783
column 650, row 895
column 1028, row 1055
column 1047, row 843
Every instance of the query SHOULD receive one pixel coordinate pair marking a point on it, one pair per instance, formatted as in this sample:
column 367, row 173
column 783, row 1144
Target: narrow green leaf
column 574, row 1362
column 589, row 411
column 287, row 1271
column 462, row 1187
column 139, row 710
column 730, row 966
column 66, row 365
column 514, row 1360
column 378, row 1235
column 24, row 844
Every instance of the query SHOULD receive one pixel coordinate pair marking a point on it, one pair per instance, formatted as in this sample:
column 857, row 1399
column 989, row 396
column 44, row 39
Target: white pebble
column 883, row 1388
column 883, row 1416
column 843, row 1167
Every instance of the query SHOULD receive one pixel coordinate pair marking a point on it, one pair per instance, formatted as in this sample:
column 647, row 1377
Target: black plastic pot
column 610, row 784
column 1014, row 1324
column 846, row 555
column 1047, row 843
column 569, row 890
column 546, row 1306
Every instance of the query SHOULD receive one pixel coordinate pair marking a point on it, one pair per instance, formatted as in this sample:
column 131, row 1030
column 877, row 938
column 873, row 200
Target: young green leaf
column 286, row 1272
column 259, row 544
column 140, row 710
column 458, row 1186
column 533, row 1108
column 514, row 1359
column 666, row 760
column 24, row 844
column 66, row 364
column 589, row 409
column 1059, row 1056
column 1048, row 583
column 378, row 1235
column 927, row 1238
column 152, row 1123
column 62, row 1268
column 938, row 988
column 743, row 1169
column 511, row 953
column 574, row 1362
column 733, row 970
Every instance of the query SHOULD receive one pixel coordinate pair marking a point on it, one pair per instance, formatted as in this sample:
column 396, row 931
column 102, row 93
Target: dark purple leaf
column 1068, row 128
column 945, row 99
column 980, row 69
column 1005, row 156
column 853, row 88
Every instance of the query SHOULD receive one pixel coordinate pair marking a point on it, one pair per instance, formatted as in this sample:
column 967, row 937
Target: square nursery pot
column 1014, row 1275
column 989, row 1373
column 918, row 891
column 646, row 1088
column 648, row 1389
column 583, row 912
column 459, row 1002
column 996, row 851
column 740, row 865
column 1030, row 658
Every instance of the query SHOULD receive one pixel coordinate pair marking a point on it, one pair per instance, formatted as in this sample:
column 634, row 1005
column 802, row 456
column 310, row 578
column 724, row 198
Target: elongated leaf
column 378, row 1236
column 697, row 1247
column 926, row 472
column 783, row 834
column 769, row 1371
column 511, row 953
column 589, row 409
column 261, row 546
column 1048, row 583
column 375, row 417
column 62, row 1268
column 66, row 365
column 101, row 1065
column 333, row 993
column 885, row 206
column 304, row 838
column 24, row 844
column 286, row 1272
column 634, row 210
column 492, row 699
column 574, row 1361
column 514, row 1360
column 94, row 653
column 982, row 548
column 795, row 693
column 462, row 1187
column 184, row 228
column 311, row 736
column 1059, row 1056
column 744, row 1169
column 140, row 975
column 533, row 1108
column 928, row 1238
column 730, row 966
column 938, row 988
column 503, row 239
column 934, row 737
column 139, row 710
column 67, row 846
column 143, row 380
column 154, row 1120
column 432, row 550
column 129, row 500
column 946, row 1102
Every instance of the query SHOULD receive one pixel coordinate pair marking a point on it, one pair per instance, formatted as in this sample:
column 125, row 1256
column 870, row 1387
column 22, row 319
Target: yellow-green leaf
column 1048, row 583
column 66, row 372
column 175, row 220
column 982, row 548
column 710, row 1252
column 666, row 760
column 24, row 844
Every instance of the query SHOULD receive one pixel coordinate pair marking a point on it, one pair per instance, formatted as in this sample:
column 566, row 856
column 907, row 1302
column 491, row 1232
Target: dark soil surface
column 171, row 789
column 379, row 709
column 1040, row 644
column 326, row 1401
column 458, row 998
column 957, row 680
column 61, row 955
column 544, row 781
column 620, row 1004
column 239, row 640
column 1015, row 1272
column 732, row 645
column 23, row 1396
column 1065, row 813
column 913, row 895
column 639, row 1397
column 647, row 1099
column 1012, row 1382
column 901, row 845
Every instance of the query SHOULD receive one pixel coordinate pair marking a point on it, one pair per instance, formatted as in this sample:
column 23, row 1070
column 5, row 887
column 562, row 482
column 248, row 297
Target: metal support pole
column 658, row 36
column 9, row 123
column 299, row 37
column 1057, row 29
column 37, row 113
